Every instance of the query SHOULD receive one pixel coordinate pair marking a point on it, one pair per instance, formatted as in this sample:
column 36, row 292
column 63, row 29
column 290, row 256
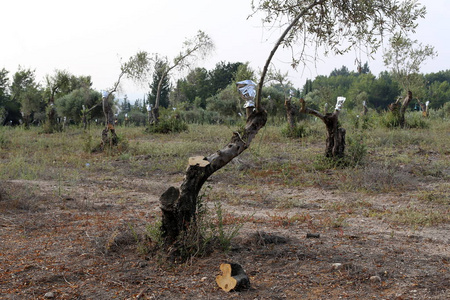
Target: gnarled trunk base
column 335, row 137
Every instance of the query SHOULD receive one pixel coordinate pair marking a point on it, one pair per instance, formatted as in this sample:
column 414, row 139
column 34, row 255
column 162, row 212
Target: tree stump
column 335, row 145
column 398, row 109
column 233, row 278
column 290, row 112
column 109, row 136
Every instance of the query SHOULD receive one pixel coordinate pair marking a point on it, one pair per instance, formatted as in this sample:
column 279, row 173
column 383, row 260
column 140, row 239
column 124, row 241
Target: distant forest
column 208, row 96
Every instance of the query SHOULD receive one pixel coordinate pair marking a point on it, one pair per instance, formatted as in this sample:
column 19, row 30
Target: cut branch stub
column 200, row 161
column 233, row 278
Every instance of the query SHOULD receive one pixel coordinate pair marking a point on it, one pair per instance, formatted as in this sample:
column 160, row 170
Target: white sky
column 88, row 37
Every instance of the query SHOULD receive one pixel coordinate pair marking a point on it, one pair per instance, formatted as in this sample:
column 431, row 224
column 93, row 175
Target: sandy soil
column 79, row 242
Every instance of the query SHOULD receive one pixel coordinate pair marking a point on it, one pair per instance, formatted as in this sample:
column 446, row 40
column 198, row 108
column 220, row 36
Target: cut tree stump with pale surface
column 233, row 278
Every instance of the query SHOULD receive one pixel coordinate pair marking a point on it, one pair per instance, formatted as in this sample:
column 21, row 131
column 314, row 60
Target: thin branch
column 272, row 53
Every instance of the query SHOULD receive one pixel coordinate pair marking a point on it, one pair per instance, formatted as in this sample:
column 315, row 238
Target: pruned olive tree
column 405, row 57
column 337, row 26
column 335, row 143
column 136, row 68
column 193, row 50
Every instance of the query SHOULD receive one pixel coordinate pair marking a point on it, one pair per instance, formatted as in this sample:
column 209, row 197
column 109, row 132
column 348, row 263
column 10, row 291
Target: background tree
column 404, row 58
column 281, row 81
column 57, row 84
column 244, row 72
column 158, row 76
column 384, row 89
column 222, row 76
column 136, row 68
column 326, row 23
column 196, row 85
column 193, row 50
column 71, row 105
column 7, row 107
column 26, row 91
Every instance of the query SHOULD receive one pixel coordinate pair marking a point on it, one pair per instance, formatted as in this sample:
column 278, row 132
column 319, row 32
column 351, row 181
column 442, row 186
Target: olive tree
column 193, row 49
column 405, row 57
column 335, row 25
column 136, row 68
column 55, row 85
column 26, row 91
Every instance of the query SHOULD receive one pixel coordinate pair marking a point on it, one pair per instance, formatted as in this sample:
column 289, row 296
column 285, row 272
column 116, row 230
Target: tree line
column 205, row 96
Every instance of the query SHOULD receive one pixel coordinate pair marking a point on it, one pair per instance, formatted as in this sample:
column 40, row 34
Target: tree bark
column 179, row 205
column 109, row 136
column 398, row 109
column 50, row 127
column 290, row 112
column 335, row 143
column 155, row 115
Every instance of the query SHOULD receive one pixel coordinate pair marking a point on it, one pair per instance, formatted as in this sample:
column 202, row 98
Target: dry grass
column 83, row 224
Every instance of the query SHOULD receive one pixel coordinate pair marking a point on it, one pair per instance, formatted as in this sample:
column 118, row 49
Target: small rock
column 49, row 295
column 142, row 264
column 375, row 279
column 312, row 235
column 336, row 266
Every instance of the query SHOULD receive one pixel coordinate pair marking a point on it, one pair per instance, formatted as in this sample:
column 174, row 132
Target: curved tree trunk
column 109, row 136
column 179, row 205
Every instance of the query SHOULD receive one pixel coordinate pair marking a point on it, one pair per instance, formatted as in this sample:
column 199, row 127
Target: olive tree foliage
column 26, row 91
column 404, row 58
column 335, row 26
column 137, row 69
column 71, row 105
column 194, row 49
column 58, row 85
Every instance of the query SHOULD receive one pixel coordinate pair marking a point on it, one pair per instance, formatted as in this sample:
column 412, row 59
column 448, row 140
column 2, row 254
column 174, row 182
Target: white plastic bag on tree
column 339, row 103
column 247, row 91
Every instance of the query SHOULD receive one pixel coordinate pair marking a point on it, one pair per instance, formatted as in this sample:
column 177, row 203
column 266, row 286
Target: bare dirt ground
column 79, row 243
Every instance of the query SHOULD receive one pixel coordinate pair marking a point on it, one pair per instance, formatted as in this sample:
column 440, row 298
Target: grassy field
column 72, row 221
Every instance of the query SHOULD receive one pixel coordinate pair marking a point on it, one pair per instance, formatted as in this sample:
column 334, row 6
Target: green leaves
column 339, row 26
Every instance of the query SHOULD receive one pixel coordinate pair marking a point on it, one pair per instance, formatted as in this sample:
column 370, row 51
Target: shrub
column 390, row 120
column 416, row 120
column 356, row 150
column 168, row 125
column 298, row 131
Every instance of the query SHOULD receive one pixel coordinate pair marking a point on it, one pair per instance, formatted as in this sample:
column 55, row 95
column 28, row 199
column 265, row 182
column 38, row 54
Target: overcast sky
column 88, row 37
